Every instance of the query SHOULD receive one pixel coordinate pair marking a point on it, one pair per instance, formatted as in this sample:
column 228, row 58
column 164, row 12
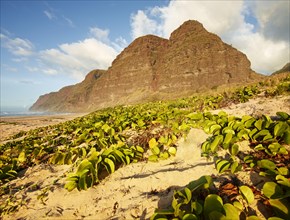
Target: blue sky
column 46, row 45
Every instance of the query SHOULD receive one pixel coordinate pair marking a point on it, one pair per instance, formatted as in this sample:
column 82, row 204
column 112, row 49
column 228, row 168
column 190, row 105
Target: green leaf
column 163, row 140
column 217, row 140
column 196, row 207
column 252, row 133
column 84, row 167
column 153, row 143
column 212, row 203
column 231, row 212
column 267, row 164
column 153, row 158
column 259, row 124
column 287, row 137
column 243, row 134
column 187, row 194
column 214, row 128
column 280, row 128
column 203, row 182
column 195, row 116
column 71, row 185
column 235, row 167
column 259, row 147
column 157, row 216
column 228, row 138
column 272, row 190
column 247, row 194
column 238, row 205
column 249, row 123
column 128, row 160
column 261, row 134
column 253, row 217
column 227, row 130
column 283, row 180
column 275, row 218
column 106, row 128
column 222, row 165
column 155, row 150
column 164, row 155
column 22, row 157
column 189, row 217
column 281, row 207
column 283, row 115
column 274, row 148
column 109, row 164
column 165, row 212
column 205, row 147
column 172, row 151
column 139, row 149
column 234, row 149
column 215, row 215
column 82, row 184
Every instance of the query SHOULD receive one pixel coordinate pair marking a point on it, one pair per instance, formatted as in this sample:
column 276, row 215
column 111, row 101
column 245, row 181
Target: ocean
column 20, row 112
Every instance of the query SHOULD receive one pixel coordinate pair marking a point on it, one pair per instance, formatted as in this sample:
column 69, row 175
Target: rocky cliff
column 284, row 69
column 153, row 68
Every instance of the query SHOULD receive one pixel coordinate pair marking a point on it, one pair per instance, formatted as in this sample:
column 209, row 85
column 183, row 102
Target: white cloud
column 267, row 47
column 55, row 16
column 17, row 46
column 142, row 25
column 20, row 59
column 50, row 71
column 32, row 69
column 273, row 18
column 77, row 59
column 100, row 34
column 69, row 21
column 50, row 15
column 119, row 44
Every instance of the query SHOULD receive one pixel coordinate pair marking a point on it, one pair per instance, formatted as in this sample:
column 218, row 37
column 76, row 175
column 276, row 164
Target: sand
column 10, row 126
column 133, row 191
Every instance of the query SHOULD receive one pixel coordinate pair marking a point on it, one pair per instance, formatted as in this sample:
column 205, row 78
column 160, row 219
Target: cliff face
column 284, row 69
column 153, row 68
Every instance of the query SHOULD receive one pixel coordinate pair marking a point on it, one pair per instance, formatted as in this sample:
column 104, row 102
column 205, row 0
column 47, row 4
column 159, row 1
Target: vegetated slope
column 153, row 68
column 284, row 69
column 100, row 143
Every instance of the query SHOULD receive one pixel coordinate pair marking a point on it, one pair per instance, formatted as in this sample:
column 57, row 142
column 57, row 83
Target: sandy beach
column 133, row 191
column 10, row 126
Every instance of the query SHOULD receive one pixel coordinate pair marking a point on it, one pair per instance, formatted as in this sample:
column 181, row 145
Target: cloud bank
column 77, row 59
column 74, row 59
column 17, row 46
column 260, row 29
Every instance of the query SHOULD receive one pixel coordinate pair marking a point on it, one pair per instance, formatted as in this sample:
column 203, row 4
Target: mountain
column 284, row 69
column 154, row 68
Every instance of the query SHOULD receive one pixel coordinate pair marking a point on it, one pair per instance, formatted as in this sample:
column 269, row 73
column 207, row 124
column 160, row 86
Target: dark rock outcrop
column 153, row 68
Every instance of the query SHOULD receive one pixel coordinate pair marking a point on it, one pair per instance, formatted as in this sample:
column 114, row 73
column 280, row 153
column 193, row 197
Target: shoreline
column 11, row 125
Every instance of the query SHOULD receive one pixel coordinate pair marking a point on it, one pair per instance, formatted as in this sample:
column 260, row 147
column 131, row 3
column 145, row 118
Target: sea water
column 21, row 111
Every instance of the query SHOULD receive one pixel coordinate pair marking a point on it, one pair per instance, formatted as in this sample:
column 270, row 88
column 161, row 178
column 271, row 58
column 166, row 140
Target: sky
column 46, row 45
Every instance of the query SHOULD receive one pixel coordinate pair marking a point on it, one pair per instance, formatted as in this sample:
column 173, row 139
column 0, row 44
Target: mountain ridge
column 154, row 68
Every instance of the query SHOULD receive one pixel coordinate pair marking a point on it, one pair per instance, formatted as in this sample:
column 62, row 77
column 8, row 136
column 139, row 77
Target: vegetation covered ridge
column 97, row 144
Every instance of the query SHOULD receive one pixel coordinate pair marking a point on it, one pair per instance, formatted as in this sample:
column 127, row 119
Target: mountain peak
column 188, row 28
column 154, row 68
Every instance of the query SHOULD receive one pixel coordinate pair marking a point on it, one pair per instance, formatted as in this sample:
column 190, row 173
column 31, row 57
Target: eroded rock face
column 153, row 68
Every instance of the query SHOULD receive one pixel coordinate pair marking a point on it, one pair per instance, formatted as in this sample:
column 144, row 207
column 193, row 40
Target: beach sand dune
column 133, row 191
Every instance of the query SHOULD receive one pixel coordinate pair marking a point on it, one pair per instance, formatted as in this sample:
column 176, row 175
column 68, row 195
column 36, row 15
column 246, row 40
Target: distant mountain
column 284, row 69
column 153, row 68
